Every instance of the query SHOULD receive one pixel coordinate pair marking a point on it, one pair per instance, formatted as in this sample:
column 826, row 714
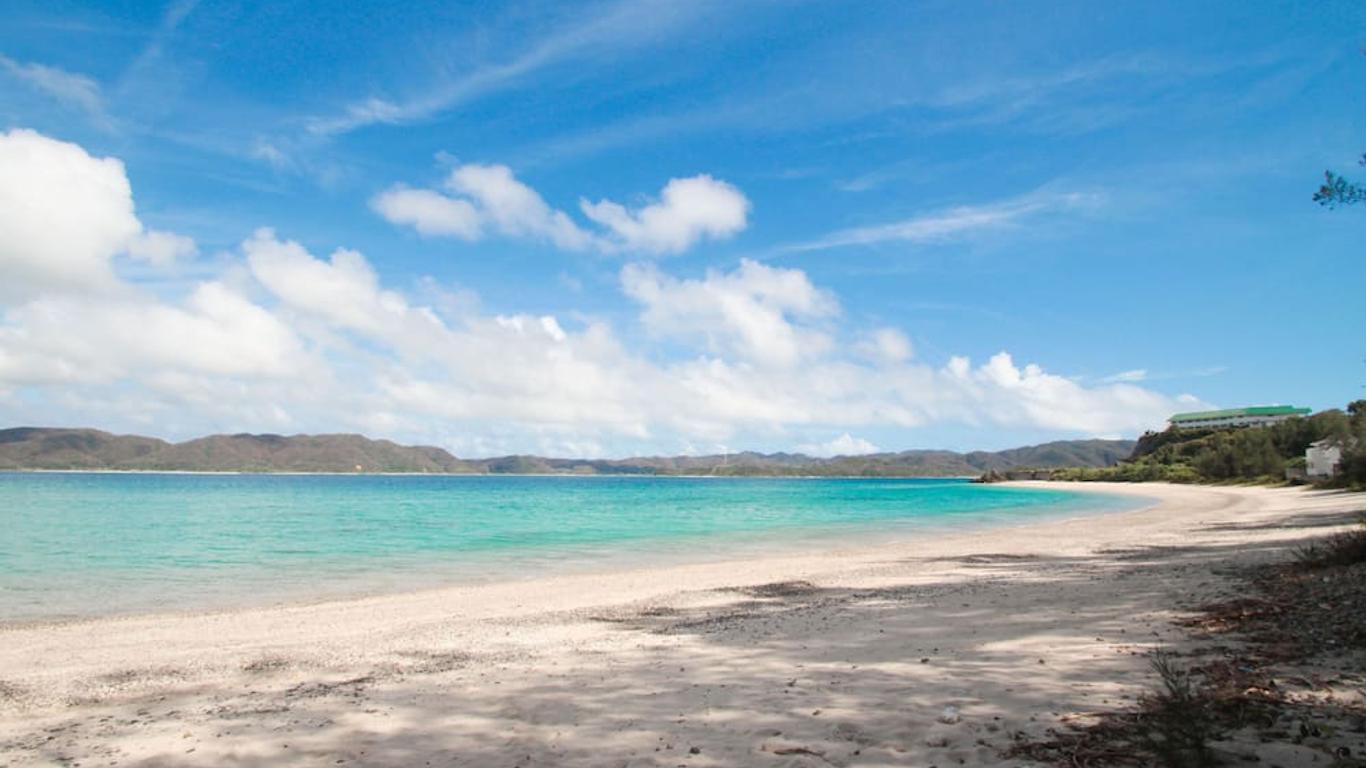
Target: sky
column 620, row 228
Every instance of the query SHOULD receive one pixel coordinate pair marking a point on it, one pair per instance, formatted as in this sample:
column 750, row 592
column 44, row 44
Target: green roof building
column 1256, row 416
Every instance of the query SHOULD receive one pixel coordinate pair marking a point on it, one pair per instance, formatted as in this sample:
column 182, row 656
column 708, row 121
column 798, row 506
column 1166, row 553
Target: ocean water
column 75, row 545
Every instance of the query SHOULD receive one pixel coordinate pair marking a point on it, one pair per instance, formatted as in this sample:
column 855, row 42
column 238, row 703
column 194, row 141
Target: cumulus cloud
column 64, row 217
column 287, row 337
column 70, row 320
column 754, row 312
column 430, row 213
column 342, row 290
column 886, row 345
column 480, row 199
column 513, row 208
column 1029, row 395
column 160, row 248
column 688, row 210
column 844, row 445
column 63, row 214
column 82, row 340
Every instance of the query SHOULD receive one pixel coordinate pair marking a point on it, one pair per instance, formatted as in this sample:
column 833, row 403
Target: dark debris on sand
column 1276, row 676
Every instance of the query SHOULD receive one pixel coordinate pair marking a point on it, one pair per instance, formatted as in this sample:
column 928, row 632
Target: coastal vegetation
column 1253, row 454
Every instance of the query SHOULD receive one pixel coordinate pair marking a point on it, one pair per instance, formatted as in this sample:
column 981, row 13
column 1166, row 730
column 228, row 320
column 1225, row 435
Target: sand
column 935, row 651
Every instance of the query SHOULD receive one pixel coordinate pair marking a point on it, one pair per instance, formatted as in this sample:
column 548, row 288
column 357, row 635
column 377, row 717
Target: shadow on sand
column 786, row 673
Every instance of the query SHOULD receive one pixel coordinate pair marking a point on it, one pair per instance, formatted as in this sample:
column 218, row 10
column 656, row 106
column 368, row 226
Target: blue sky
column 820, row 225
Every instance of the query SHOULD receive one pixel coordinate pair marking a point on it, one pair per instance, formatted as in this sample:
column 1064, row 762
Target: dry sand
column 937, row 651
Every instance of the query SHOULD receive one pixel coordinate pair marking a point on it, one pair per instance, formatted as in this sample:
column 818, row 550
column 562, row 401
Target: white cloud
column 80, row 339
column 430, row 213
column 160, row 248
column 749, row 313
column 886, row 345
column 546, row 324
column 1136, row 374
column 64, row 217
column 271, row 154
column 754, row 353
column 514, row 208
column 367, row 112
column 482, row 198
column 688, row 210
column 503, row 371
column 343, row 290
column 1143, row 374
column 953, row 222
column 63, row 214
column 999, row 391
column 72, row 89
column 844, row 445
column 68, row 318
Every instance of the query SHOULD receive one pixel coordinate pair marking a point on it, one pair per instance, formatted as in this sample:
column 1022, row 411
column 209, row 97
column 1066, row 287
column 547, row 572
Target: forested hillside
column 89, row 449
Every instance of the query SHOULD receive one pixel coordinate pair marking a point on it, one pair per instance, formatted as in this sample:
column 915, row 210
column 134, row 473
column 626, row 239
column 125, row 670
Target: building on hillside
column 1257, row 416
column 1321, row 459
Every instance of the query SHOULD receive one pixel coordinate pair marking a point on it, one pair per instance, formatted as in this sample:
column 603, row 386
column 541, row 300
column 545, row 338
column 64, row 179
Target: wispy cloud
column 620, row 26
column 1137, row 374
column 156, row 80
column 69, row 88
column 950, row 223
column 270, row 154
column 1101, row 93
column 1143, row 374
column 171, row 19
column 1068, row 101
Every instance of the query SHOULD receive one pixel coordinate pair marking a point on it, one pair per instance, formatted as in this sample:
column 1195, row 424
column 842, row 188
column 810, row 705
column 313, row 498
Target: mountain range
column 39, row 448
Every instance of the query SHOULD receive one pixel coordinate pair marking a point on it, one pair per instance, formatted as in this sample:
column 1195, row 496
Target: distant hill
column 37, row 448
column 52, row 448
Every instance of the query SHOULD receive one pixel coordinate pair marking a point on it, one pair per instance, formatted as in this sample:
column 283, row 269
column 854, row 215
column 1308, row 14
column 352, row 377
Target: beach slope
column 940, row 650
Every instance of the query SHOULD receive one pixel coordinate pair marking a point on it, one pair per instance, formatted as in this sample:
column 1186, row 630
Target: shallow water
column 87, row 544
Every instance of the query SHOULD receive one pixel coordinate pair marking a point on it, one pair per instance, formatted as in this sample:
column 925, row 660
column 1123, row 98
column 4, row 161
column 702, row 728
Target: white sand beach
column 934, row 651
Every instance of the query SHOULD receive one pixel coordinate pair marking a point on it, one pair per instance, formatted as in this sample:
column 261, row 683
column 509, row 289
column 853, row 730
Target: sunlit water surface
column 86, row 544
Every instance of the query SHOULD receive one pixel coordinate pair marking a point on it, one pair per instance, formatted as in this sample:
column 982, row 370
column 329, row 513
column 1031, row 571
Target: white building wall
column 1322, row 460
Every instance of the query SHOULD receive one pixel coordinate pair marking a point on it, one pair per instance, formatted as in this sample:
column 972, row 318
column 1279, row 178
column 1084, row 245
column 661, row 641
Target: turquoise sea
column 80, row 544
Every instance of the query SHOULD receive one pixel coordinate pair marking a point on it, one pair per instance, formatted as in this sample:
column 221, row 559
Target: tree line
column 1250, row 454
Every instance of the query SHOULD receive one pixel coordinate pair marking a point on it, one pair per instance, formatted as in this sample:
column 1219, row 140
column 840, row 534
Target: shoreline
column 778, row 563
column 612, row 560
column 1022, row 623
